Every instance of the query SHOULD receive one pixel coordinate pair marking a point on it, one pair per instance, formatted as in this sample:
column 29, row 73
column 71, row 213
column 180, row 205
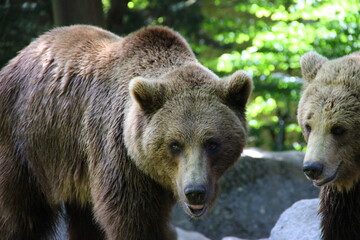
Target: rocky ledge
column 255, row 192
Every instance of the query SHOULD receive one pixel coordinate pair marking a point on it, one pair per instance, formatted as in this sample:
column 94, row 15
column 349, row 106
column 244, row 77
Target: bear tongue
column 321, row 182
column 197, row 210
column 317, row 180
column 196, row 207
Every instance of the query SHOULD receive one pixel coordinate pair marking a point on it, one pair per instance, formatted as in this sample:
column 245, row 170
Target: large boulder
column 254, row 194
column 299, row 222
column 189, row 235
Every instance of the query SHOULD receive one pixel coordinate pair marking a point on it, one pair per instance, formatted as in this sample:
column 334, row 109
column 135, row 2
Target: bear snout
column 196, row 200
column 313, row 170
column 319, row 173
column 195, row 194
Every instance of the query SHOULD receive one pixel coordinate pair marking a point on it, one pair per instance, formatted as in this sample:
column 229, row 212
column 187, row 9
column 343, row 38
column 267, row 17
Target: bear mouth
column 322, row 182
column 196, row 210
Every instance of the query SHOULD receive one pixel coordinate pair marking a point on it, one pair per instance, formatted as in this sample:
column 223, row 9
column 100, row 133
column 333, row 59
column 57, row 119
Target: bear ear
column 310, row 64
column 238, row 88
column 149, row 94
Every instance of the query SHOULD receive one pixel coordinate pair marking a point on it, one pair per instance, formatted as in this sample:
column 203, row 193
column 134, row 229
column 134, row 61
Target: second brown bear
column 329, row 116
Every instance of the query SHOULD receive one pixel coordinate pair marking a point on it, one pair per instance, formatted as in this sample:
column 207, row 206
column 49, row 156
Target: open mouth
column 322, row 182
column 196, row 210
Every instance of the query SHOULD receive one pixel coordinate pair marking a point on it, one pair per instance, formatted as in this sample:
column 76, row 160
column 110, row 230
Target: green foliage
column 184, row 16
column 20, row 22
column 106, row 5
column 266, row 38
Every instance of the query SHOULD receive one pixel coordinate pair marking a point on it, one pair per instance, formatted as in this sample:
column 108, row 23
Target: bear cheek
column 220, row 166
column 349, row 157
column 231, row 152
column 221, row 163
column 164, row 168
column 157, row 163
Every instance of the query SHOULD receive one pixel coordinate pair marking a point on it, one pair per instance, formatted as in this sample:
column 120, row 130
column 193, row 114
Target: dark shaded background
column 266, row 38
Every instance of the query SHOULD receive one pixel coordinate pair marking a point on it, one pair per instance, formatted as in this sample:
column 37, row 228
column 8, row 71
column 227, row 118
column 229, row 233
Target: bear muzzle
column 321, row 164
column 316, row 172
column 195, row 194
column 313, row 170
column 196, row 200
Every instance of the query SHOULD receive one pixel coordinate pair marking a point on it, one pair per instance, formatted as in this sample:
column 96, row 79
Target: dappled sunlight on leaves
column 267, row 39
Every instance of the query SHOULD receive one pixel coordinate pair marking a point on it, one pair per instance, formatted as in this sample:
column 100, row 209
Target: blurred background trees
column 266, row 38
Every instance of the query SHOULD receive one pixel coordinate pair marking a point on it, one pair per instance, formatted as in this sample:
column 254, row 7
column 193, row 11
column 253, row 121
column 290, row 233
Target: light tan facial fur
column 329, row 115
column 193, row 108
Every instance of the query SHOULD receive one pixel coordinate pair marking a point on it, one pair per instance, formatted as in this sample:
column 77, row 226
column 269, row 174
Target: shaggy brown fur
column 329, row 116
column 114, row 129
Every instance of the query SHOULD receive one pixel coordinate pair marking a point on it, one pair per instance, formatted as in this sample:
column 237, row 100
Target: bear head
column 185, row 128
column 329, row 115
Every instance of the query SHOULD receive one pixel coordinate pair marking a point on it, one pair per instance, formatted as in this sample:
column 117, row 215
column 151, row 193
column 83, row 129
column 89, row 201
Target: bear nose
column 313, row 170
column 195, row 194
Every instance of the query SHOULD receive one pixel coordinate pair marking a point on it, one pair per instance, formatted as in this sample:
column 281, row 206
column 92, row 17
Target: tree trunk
column 68, row 12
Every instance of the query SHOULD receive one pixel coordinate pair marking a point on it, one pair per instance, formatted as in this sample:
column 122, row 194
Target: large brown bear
column 113, row 130
column 329, row 115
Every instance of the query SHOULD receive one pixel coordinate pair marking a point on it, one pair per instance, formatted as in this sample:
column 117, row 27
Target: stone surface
column 260, row 187
column 189, row 235
column 254, row 194
column 235, row 238
column 299, row 222
column 232, row 238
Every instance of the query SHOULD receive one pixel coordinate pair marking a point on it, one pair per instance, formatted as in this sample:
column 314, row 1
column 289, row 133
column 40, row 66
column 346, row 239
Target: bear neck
column 340, row 212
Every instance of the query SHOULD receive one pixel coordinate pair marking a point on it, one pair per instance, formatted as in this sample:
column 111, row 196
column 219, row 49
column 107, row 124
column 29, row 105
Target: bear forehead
column 330, row 96
column 188, row 77
column 334, row 94
column 331, row 102
column 196, row 104
column 338, row 79
column 344, row 71
column 195, row 122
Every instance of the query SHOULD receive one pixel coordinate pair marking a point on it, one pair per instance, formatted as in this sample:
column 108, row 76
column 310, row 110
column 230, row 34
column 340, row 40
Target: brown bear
column 111, row 132
column 329, row 115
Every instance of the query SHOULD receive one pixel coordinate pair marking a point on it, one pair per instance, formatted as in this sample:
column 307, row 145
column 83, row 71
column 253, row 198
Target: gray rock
column 299, row 222
column 235, row 238
column 189, row 235
column 232, row 238
column 254, row 194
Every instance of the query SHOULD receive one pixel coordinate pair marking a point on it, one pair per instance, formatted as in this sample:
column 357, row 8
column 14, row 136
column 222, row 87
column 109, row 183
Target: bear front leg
column 81, row 223
column 129, row 205
column 24, row 211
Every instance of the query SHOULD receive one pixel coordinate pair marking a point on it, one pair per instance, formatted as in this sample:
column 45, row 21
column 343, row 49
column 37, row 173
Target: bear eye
column 175, row 147
column 338, row 130
column 307, row 128
column 212, row 146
